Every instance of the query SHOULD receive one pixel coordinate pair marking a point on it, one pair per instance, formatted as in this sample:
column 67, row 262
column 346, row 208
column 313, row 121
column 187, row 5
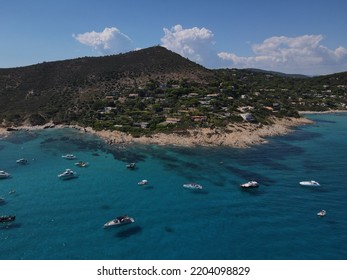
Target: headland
column 237, row 135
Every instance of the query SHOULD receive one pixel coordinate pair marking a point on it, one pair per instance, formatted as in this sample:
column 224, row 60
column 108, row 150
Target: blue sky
column 306, row 37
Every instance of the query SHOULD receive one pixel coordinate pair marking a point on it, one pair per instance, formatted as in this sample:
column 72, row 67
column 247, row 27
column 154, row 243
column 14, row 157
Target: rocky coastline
column 237, row 135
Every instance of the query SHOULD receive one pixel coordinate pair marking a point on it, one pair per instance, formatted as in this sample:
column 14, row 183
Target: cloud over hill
column 109, row 41
column 304, row 54
column 289, row 54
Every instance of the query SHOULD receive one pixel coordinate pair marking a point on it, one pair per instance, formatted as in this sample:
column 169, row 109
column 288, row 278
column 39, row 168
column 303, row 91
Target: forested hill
column 49, row 87
column 139, row 91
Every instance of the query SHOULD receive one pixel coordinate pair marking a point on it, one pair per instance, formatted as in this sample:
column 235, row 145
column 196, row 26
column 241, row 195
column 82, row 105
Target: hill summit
column 50, row 89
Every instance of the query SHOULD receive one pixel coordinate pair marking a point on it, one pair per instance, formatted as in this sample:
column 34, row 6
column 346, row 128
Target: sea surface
column 58, row 219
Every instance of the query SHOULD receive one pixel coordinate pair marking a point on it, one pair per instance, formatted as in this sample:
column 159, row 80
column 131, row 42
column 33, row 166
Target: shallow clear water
column 64, row 219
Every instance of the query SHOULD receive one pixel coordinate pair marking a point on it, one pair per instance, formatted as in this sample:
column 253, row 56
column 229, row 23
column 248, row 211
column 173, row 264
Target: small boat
column 322, row 213
column 82, row 164
column 68, row 174
column 311, row 183
column 6, row 219
column 119, row 221
column 4, row 174
column 193, row 186
column 131, row 165
column 12, row 192
column 22, row 161
column 250, row 184
column 69, row 156
column 143, row 182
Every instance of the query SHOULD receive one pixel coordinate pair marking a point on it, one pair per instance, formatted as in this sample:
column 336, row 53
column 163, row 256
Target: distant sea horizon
column 63, row 220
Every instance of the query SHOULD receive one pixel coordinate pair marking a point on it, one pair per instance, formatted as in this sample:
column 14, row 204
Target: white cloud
column 303, row 54
column 194, row 43
column 109, row 41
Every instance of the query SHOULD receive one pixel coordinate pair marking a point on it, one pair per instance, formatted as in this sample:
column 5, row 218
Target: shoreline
column 236, row 135
column 321, row 112
column 241, row 135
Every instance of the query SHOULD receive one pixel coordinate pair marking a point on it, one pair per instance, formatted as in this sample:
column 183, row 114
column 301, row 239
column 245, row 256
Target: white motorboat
column 82, row 164
column 311, row 183
column 22, row 161
column 4, row 174
column 131, row 165
column 69, row 156
column 321, row 213
column 193, row 186
column 143, row 182
column 119, row 221
column 250, row 184
column 68, row 174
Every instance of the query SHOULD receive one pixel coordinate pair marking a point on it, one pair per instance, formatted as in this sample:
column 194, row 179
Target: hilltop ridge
column 48, row 87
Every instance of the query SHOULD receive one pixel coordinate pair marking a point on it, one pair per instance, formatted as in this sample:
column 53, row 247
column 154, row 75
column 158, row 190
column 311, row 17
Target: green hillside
column 153, row 90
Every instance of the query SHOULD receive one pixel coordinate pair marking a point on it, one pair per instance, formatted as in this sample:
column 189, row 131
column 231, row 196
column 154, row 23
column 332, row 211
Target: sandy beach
column 3, row 132
column 238, row 135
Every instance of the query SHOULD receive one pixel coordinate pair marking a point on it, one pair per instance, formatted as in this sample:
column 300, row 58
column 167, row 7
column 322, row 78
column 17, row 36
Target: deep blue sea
column 58, row 219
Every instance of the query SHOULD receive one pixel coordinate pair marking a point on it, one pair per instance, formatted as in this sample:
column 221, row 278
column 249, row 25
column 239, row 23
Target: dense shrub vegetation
column 154, row 90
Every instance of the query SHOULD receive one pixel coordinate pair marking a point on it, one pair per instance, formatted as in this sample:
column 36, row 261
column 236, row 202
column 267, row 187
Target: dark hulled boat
column 6, row 219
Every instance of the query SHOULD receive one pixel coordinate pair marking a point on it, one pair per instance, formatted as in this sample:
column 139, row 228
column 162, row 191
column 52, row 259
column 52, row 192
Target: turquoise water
column 64, row 219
